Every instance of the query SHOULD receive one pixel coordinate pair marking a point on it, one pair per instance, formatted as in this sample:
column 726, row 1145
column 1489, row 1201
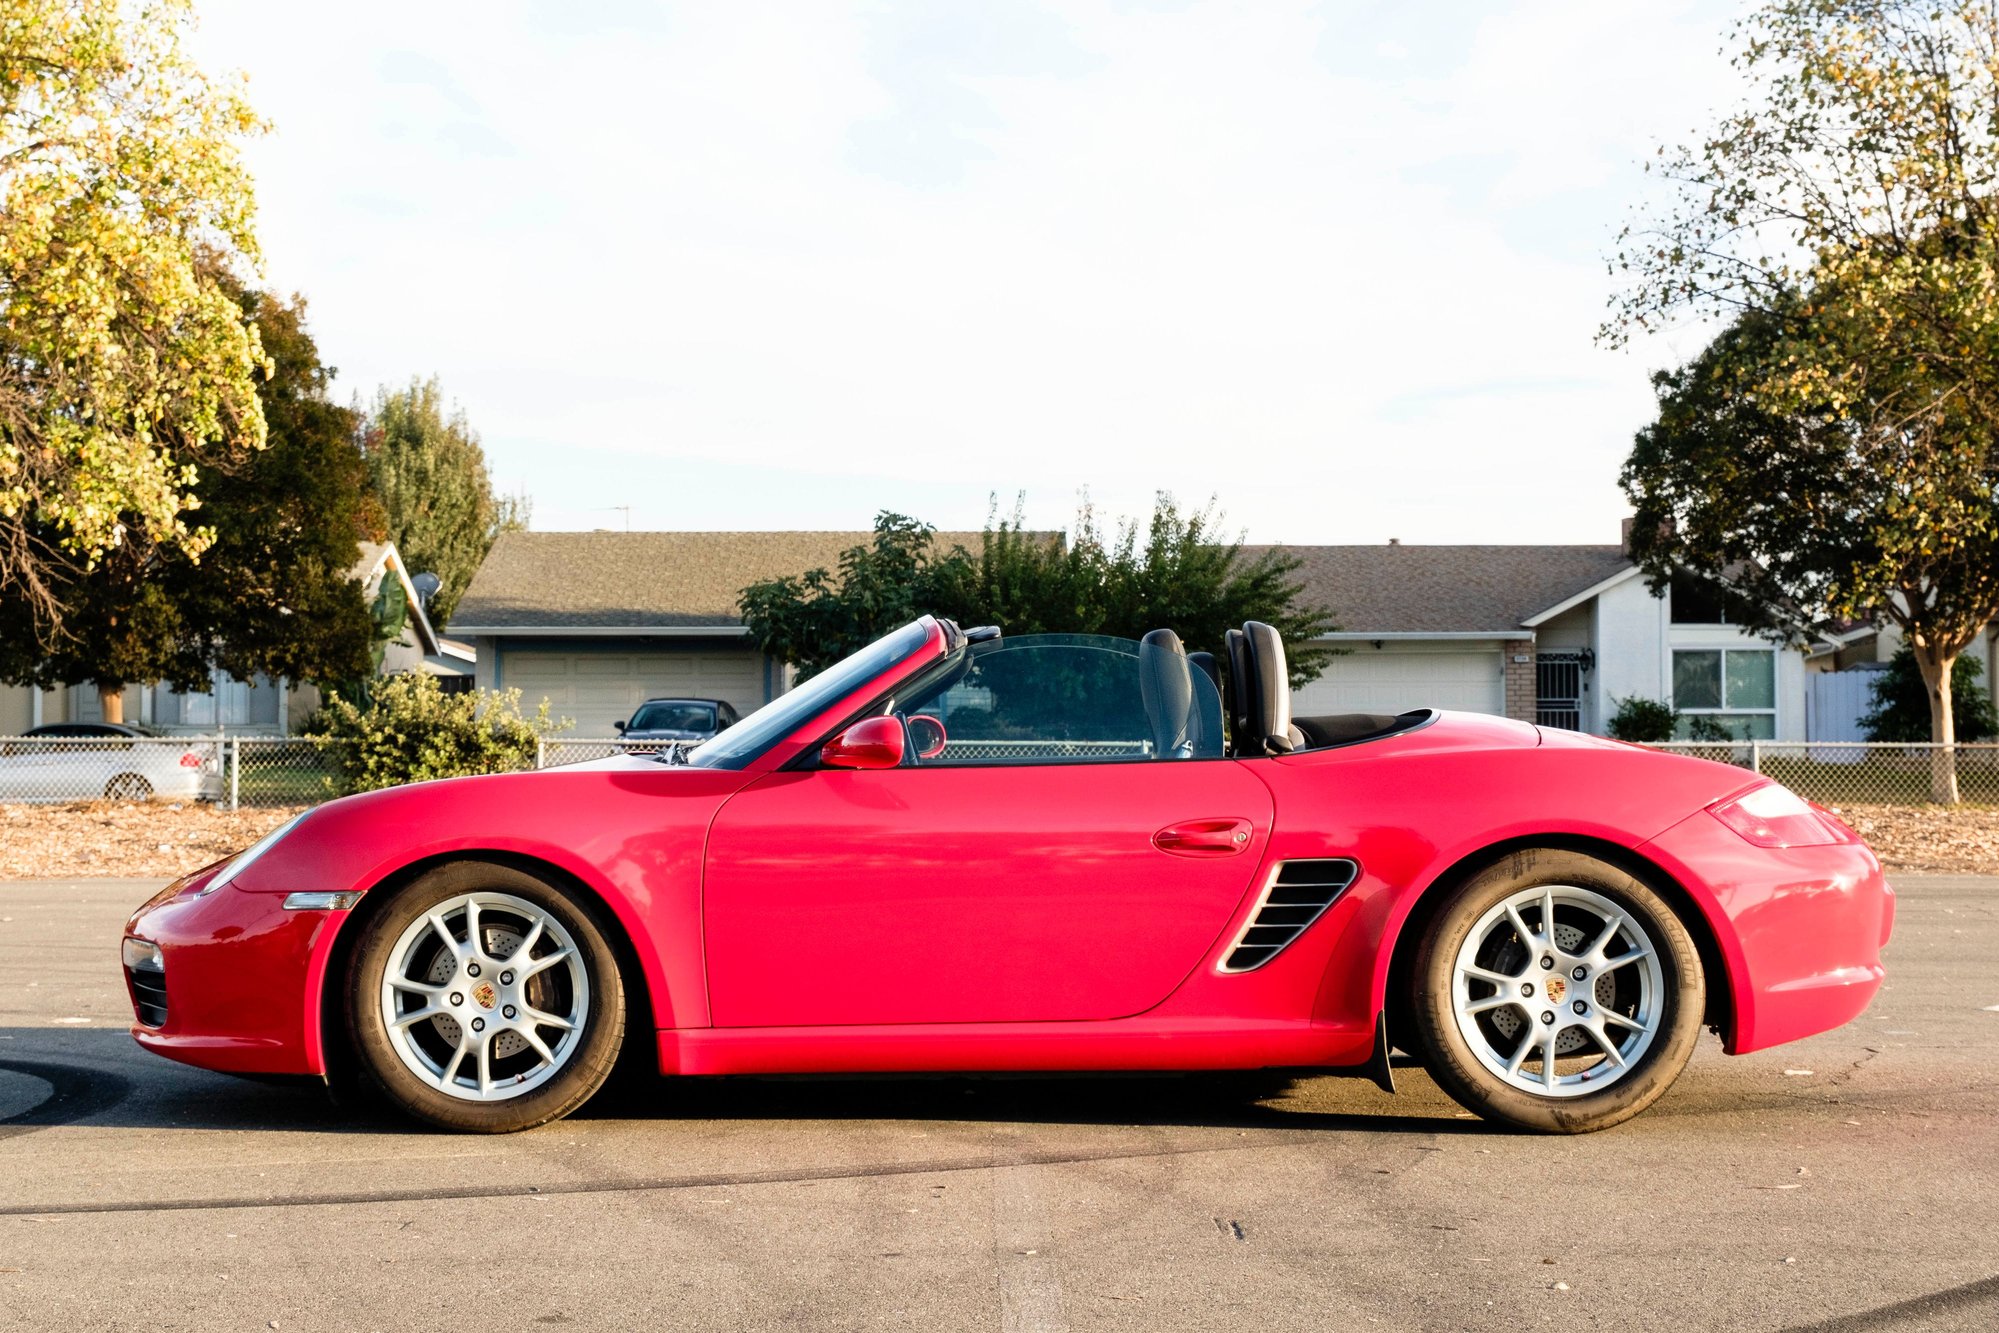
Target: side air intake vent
column 1298, row 894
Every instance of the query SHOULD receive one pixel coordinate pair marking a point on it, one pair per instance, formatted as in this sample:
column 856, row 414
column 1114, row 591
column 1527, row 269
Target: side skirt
column 1127, row 1044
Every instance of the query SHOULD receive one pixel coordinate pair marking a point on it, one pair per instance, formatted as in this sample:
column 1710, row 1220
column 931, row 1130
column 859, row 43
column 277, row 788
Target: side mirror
column 875, row 742
column 620, row 726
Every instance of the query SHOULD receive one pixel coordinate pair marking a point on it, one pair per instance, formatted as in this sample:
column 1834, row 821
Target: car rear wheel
column 1556, row 992
column 128, row 787
column 484, row 998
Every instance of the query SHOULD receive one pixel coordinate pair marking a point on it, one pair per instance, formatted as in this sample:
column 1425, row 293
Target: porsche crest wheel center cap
column 485, row 995
column 1556, row 989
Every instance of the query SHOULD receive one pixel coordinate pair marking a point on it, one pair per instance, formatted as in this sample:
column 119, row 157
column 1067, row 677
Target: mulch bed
column 108, row 838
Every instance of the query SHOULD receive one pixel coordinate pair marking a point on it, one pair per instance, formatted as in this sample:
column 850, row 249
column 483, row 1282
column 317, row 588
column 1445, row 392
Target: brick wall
column 1521, row 692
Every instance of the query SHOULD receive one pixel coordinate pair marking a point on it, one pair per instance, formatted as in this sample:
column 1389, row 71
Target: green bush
column 1643, row 721
column 413, row 731
column 1902, row 702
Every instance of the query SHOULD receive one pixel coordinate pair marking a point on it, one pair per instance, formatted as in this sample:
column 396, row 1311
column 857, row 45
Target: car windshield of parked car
column 673, row 715
column 1062, row 698
column 777, row 719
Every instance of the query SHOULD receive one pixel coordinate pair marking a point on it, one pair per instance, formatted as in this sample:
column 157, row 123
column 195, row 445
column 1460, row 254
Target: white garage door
column 598, row 689
column 1389, row 680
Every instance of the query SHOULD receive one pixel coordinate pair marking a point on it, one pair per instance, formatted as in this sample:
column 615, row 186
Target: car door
column 1027, row 878
column 971, row 895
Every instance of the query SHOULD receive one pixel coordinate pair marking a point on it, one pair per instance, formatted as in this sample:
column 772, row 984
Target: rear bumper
column 1800, row 929
column 240, row 975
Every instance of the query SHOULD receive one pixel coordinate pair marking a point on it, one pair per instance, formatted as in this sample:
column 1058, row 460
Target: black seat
column 1240, row 696
column 1268, row 680
column 1166, row 686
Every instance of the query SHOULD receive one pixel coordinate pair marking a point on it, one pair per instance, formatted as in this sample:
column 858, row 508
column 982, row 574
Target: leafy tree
column 271, row 594
column 1175, row 572
column 126, row 363
column 412, row 731
column 1830, row 456
column 430, row 473
column 1804, row 518
column 1901, row 710
column 1643, row 721
column 814, row 619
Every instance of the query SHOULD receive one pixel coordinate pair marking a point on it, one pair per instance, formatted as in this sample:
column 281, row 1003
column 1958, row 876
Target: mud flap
column 1378, row 1067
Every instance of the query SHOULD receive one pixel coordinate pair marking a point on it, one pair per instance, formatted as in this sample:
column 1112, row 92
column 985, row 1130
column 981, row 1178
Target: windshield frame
column 796, row 720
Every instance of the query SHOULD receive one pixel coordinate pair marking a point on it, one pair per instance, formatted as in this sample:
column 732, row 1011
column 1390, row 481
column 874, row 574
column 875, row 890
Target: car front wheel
column 1556, row 992
column 484, row 998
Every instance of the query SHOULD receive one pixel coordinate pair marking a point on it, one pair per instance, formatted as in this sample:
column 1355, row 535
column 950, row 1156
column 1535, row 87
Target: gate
column 1558, row 690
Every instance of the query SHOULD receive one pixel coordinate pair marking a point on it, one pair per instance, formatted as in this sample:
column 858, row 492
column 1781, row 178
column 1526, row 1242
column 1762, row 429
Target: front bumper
column 1800, row 929
column 241, row 979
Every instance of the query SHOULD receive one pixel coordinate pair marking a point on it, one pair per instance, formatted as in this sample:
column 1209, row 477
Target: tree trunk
column 112, row 697
column 1936, row 666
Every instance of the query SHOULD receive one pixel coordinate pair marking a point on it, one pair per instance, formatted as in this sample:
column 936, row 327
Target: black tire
column 128, row 787
column 584, row 1065
column 1677, row 990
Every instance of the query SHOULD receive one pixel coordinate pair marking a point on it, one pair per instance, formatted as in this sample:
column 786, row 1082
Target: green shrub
column 413, row 731
column 1643, row 721
column 1902, row 702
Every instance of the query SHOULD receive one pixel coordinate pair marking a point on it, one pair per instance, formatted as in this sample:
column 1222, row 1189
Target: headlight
column 143, row 955
column 1776, row 816
column 245, row 858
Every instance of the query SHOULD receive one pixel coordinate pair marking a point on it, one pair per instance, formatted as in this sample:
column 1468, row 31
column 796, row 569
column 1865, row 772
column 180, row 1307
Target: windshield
column 673, row 715
column 777, row 719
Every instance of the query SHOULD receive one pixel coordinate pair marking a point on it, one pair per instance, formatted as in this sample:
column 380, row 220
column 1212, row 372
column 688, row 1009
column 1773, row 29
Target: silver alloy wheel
column 1562, row 973
column 485, row 997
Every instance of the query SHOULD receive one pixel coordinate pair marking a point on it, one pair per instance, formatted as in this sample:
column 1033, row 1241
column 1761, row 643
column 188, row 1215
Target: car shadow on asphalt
column 99, row 1076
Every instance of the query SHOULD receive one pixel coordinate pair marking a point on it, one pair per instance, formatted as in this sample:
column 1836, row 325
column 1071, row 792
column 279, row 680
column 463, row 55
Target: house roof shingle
column 644, row 580
column 1394, row 589
column 668, row 580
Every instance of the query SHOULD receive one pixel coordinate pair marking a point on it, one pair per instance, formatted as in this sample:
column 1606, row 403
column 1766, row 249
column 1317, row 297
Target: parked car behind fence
column 80, row 761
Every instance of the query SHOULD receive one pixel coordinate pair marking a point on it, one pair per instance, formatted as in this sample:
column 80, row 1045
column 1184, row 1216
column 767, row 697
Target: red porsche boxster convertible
column 960, row 851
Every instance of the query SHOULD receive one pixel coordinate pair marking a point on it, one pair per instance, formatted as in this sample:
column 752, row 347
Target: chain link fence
column 1858, row 772
column 270, row 770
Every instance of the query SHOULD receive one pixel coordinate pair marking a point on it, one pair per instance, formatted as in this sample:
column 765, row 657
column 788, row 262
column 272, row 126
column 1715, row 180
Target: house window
column 1696, row 603
column 1734, row 688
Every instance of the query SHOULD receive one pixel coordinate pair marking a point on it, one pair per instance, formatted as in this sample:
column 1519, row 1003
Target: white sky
column 761, row 265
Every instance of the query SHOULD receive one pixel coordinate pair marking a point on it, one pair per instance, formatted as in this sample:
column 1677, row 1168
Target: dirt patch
column 111, row 838
column 107, row 838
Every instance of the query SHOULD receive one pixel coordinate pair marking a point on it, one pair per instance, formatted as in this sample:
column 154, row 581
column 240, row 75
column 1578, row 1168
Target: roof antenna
column 626, row 510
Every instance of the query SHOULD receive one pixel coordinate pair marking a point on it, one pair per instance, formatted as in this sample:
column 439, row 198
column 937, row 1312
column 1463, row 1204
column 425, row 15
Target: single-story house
column 249, row 707
column 596, row 622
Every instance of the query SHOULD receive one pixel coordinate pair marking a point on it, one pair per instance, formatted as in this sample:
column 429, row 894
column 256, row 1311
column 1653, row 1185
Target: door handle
column 1204, row 837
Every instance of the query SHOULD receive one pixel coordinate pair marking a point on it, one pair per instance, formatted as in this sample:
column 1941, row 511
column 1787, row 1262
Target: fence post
column 540, row 753
column 235, row 744
column 1755, row 756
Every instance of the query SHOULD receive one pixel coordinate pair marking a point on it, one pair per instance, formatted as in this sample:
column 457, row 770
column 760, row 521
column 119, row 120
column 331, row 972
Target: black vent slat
column 1297, row 894
column 1247, row 956
column 1301, row 915
column 149, row 997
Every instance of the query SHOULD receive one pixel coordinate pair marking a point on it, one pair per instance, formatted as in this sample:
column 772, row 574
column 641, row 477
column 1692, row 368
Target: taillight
column 1775, row 816
column 190, row 760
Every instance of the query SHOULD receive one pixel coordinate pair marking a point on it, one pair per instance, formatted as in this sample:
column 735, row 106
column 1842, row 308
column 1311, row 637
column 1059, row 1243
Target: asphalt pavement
column 1846, row 1182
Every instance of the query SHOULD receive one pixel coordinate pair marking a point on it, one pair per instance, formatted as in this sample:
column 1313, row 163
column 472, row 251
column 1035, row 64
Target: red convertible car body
column 776, row 909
